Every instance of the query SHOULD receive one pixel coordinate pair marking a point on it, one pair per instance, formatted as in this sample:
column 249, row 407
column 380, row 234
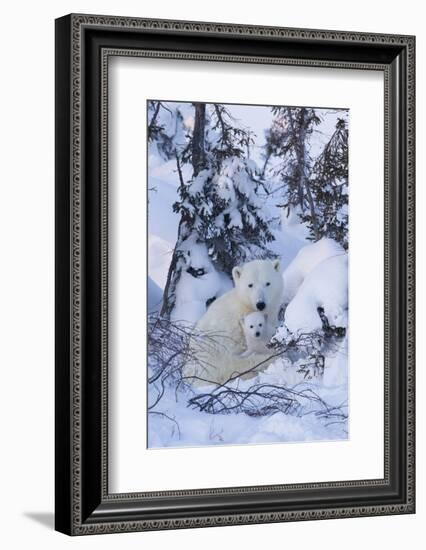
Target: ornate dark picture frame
column 84, row 44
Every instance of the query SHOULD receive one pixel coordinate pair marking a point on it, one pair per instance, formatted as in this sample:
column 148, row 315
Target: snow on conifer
column 220, row 206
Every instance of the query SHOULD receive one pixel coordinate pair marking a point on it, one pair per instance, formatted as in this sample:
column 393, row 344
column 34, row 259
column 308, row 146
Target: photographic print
column 247, row 285
column 203, row 313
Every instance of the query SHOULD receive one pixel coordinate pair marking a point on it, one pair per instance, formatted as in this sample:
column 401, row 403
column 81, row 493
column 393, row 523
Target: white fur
column 256, row 333
column 219, row 336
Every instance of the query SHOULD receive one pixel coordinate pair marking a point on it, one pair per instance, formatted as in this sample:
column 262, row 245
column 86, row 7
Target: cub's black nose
column 258, row 334
column 260, row 306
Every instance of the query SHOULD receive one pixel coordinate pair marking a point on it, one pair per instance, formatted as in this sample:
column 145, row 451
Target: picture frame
column 83, row 503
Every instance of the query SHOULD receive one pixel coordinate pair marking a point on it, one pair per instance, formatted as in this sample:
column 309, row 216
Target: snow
column 162, row 221
column 314, row 275
column 307, row 258
column 160, row 254
column 196, row 187
column 192, row 292
column 326, row 286
column 155, row 296
column 197, row 428
column 287, row 244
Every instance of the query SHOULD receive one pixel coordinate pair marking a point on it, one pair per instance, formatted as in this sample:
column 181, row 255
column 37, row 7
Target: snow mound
column 305, row 261
column 198, row 284
column 325, row 286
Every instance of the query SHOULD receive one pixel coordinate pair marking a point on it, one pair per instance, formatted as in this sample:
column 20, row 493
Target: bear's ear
column 276, row 265
column 236, row 273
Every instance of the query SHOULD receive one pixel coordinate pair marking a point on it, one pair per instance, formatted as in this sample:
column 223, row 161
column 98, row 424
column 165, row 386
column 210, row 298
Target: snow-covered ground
column 314, row 275
column 186, row 426
column 190, row 427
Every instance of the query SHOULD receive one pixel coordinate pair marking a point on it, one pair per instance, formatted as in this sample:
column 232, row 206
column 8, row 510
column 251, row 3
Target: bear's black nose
column 260, row 306
column 257, row 333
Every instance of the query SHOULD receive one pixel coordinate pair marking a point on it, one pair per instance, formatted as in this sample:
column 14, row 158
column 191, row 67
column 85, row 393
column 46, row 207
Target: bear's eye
column 250, row 285
column 268, row 284
column 251, row 326
column 260, row 324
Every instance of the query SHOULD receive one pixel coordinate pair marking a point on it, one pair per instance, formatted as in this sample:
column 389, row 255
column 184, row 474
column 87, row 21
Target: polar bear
column 218, row 336
column 256, row 333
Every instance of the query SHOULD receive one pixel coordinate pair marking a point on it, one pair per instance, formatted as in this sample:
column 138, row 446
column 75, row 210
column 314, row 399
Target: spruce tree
column 236, row 225
column 219, row 206
column 287, row 141
column 329, row 184
column 166, row 130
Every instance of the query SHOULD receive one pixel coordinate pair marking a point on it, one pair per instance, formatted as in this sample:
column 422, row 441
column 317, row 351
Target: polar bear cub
column 220, row 338
column 256, row 333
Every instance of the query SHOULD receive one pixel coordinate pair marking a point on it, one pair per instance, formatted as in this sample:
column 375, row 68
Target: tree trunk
column 198, row 150
column 153, row 120
column 304, row 182
column 198, row 163
column 173, row 275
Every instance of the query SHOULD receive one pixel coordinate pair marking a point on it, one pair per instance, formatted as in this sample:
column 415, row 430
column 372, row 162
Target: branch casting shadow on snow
column 170, row 350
